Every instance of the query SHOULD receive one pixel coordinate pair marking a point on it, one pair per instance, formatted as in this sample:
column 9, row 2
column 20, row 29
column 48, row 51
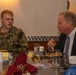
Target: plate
column 52, row 55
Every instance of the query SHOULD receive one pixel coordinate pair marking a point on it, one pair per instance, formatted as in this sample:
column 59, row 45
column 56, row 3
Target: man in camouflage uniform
column 11, row 38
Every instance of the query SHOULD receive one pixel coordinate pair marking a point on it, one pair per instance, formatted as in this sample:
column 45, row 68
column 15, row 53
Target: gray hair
column 69, row 16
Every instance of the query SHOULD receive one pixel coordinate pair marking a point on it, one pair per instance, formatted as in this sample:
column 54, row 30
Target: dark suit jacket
column 61, row 43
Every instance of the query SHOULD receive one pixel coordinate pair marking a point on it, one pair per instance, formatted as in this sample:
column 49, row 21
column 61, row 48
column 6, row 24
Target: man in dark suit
column 67, row 27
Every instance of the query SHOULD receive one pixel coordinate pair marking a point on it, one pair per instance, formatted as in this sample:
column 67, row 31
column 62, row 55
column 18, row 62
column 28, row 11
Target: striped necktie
column 67, row 48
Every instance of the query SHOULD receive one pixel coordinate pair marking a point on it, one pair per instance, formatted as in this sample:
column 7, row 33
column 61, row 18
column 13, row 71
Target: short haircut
column 69, row 16
column 5, row 12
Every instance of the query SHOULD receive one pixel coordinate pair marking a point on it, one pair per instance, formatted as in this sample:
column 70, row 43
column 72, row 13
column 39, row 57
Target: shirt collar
column 73, row 32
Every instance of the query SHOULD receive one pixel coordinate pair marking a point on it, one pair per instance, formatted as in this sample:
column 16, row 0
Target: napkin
column 21, row 59
column 71, row 71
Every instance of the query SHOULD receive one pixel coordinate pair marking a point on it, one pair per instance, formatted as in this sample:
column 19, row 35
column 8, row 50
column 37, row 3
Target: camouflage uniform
column 13, row 40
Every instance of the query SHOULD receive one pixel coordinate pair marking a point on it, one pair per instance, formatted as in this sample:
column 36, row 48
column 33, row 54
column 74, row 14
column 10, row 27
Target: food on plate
column 54, row 54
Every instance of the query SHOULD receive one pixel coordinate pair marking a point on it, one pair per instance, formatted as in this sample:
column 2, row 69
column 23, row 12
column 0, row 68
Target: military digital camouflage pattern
column 13, row 40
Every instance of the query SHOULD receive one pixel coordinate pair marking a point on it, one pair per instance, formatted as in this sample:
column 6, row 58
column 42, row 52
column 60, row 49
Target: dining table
column 46, row 68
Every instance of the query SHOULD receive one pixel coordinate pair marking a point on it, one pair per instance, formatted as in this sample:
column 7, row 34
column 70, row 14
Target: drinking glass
column 55, row 58
column 36, row 47
column 37, row 58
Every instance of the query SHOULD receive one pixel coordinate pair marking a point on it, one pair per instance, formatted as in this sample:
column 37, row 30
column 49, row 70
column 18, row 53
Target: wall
column 35, row 17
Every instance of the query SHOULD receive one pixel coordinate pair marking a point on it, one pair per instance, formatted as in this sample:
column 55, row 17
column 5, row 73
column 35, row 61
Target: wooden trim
column 32, row 44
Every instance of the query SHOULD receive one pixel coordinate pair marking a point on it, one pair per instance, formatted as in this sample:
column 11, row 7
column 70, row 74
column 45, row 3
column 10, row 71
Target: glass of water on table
column 37, row 57
column 55, row 58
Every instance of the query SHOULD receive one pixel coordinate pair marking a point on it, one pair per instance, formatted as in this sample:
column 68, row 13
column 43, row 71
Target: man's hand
column 51, row 44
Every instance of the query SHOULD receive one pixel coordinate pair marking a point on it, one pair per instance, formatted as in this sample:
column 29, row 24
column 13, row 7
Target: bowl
column 72, row 59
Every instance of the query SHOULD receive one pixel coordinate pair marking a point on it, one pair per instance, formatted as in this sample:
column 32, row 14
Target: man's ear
column 69, row 22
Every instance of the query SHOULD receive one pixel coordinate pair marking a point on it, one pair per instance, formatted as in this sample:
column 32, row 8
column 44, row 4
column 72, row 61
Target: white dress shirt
column 71, row 35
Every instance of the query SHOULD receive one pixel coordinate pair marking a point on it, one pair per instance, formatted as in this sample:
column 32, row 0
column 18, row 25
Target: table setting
column 53, row 59
column 52, row 62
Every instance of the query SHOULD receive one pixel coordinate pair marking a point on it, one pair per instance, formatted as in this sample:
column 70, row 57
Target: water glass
column 38, row 56
column 36, row 48
column 56, row 58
